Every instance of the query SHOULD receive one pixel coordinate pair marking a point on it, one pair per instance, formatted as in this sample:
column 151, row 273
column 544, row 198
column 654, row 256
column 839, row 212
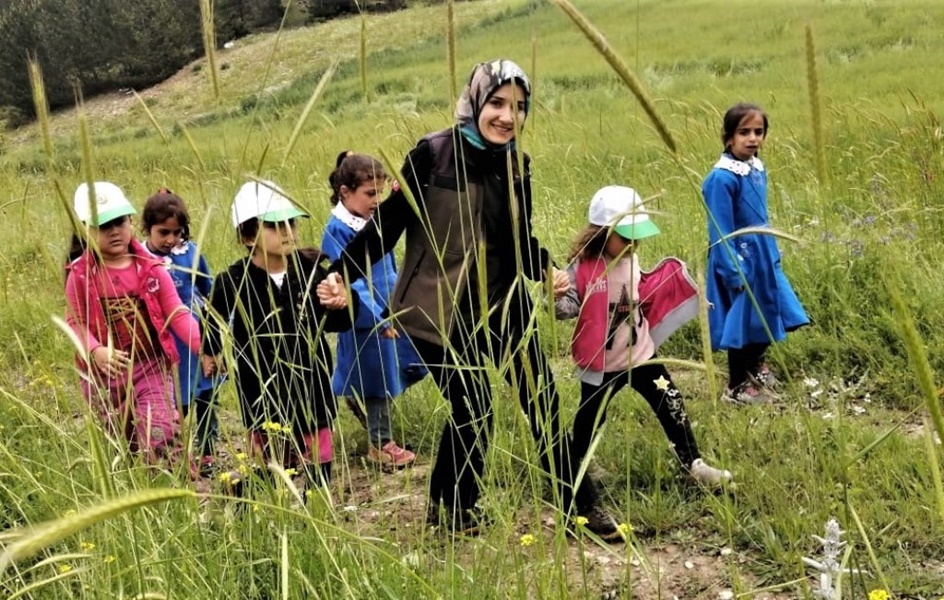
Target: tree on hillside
column 237, row 18
column 328, row 9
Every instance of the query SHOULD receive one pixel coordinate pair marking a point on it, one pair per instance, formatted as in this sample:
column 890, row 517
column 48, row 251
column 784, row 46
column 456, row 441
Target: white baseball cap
column 265, row 201
column 109, row 200
column 621, row 208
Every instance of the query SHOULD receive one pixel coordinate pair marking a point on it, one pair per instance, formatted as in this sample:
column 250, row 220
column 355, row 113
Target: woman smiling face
column 504, row 110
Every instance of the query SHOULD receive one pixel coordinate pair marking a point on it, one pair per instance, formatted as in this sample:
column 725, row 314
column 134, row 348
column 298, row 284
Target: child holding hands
column 165, row 223
column 123, row 307
column 276, row 306
column 375, row 362
column 622, row 316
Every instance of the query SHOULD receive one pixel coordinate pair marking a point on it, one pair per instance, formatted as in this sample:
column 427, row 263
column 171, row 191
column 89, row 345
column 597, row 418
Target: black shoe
column 599, row 522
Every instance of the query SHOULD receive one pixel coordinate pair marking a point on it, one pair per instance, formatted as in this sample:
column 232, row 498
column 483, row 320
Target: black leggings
column 461, row 375
column 653, row 383
column 743, row 362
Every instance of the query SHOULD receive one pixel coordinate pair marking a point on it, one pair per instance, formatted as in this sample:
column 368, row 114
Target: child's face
column 363, row 200
column 498, row 117
column 748, row 137
column 162, row 237
column 276, row 239
column 113, row 237
column 617, row 246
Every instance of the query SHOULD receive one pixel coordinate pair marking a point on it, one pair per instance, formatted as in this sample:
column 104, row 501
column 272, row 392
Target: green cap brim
column 278, row 216
column 637, row 231
column 110, row 215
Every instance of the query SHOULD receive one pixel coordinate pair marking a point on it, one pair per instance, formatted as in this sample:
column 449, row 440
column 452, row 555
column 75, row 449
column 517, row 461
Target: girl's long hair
column 589, row 243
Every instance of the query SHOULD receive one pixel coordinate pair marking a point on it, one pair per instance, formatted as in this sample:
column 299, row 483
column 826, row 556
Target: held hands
column 110, row 362
column 212, row 365
column 332, row 292
column 561, row 282
column 390, row 333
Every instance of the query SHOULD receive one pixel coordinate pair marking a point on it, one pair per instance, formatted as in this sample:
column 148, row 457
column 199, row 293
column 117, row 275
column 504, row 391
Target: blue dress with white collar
column 735, row 194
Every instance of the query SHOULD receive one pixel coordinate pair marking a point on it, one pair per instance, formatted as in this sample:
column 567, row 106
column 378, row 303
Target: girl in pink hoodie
column 123, row 306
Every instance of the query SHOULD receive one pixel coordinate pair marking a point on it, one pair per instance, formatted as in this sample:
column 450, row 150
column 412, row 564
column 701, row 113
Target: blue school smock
column 369, row 365
column 735, row 193
column 191, row 275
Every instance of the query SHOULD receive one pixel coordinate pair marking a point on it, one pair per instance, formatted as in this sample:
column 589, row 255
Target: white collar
column 739, row 167
column 347, row 217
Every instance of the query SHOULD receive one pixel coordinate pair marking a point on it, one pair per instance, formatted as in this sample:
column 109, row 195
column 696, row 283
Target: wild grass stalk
column 621, row 68
column 812, row 79
column 362, row 56
column 451, row 50
column 52, row 532
column 40, row 105
column 209, row 44
column 302, row 118
column 150, row 116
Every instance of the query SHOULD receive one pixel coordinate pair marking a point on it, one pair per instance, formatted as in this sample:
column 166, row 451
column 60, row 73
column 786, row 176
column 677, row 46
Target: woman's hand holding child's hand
column 561, row 283
column 390, row 333
column 332, row 293
column 110, row 362
column 211, row 365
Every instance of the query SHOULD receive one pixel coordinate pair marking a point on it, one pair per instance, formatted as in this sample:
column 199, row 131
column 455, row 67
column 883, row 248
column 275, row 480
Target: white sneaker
column 707, row 475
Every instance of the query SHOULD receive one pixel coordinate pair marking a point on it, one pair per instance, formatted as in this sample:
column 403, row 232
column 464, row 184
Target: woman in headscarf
column 466, row 213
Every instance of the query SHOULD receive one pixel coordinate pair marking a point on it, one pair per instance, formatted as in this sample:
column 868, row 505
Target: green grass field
column 851, row 440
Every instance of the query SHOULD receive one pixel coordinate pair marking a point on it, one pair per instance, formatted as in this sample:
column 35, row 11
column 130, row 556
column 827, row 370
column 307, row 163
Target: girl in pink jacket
column 123, row 306
column 622, row 316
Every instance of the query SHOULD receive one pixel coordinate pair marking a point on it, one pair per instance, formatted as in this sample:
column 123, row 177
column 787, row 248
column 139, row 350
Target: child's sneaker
column 765, row 377
column 207, row 466
column 600, row 522
column 390, row 456
column 706, row 475
column 749, row 393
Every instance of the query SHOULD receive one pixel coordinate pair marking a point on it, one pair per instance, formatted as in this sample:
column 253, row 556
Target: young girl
column 746, row 268
column 166, row 226
column 276, row 305
column 375, row 363
column 124, row 307
column 623, row 315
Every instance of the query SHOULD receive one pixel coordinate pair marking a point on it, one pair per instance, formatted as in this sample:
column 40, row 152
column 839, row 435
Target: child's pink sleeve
column 76, row 313
column 181, row 321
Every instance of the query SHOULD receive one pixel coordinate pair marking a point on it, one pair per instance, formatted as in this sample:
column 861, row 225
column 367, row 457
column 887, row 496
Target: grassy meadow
column 851, row 440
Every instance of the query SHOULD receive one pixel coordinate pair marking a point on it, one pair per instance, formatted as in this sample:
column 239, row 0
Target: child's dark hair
column 164, row 205
column 733, row 118
column 247, row 230
column 590, row 243
column 351, row 170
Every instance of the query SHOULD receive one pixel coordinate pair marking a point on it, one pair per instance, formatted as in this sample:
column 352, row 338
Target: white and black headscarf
column 485, row 79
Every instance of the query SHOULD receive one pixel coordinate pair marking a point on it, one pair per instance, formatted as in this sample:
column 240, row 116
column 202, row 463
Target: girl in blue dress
column 166, row 226
column 375, row 362
column 735, row 193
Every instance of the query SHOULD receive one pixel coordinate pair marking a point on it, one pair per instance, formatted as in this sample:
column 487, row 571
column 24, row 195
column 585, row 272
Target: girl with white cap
column 275, row 307
column 123, row 306
column 623, row 314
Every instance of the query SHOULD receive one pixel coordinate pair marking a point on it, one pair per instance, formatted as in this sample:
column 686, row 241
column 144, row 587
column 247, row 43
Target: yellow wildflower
column 65, row 568
column 291, row 472
column 879, row 595
column 526, row 540
column 240, row 456
column 624, row 529
column 226, row 477
column 87, row 546
column 109, row 559
column 581, row 521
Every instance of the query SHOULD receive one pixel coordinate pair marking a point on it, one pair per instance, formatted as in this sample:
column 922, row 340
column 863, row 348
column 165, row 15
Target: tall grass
column 843, row 436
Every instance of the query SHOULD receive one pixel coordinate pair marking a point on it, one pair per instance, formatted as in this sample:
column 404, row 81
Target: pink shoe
column 390, row 456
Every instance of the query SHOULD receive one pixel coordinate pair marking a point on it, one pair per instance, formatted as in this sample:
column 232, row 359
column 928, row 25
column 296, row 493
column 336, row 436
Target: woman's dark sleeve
column 384, row 229
column 534, row 257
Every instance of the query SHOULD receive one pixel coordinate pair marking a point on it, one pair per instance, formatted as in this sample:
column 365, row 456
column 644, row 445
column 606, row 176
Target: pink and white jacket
column 165, row 312
column 623, row 313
